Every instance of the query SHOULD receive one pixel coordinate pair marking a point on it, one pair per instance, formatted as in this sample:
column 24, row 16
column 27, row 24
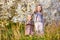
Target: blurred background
column 13, row 15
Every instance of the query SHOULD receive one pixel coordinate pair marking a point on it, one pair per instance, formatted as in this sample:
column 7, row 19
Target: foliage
column 15, row 31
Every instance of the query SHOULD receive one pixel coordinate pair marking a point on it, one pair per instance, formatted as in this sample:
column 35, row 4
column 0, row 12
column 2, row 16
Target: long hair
column 36, row 8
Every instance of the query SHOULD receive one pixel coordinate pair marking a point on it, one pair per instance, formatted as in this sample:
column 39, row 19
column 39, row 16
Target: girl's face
column 38, row 8
column 29, row 17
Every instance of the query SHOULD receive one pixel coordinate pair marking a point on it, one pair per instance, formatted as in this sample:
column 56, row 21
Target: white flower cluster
column 19, row 9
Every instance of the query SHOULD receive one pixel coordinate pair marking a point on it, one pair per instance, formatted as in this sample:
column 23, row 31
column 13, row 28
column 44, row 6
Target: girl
column 29, row 26
column 38, row 19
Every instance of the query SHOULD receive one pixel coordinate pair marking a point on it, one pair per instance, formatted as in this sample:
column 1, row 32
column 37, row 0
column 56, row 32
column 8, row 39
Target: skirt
column 29, row 30
column 39, row 27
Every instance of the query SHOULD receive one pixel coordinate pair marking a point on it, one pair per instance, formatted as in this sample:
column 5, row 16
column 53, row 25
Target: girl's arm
column 34, row 17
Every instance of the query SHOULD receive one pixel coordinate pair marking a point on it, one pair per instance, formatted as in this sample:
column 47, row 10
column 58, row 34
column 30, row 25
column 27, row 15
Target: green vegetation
column 15, row 31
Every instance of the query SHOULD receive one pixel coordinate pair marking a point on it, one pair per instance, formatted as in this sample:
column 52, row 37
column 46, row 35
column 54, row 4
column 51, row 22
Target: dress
column 38, row 22
column 29, row 28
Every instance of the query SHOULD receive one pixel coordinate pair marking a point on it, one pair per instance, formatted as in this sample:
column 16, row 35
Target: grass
column 15, row 31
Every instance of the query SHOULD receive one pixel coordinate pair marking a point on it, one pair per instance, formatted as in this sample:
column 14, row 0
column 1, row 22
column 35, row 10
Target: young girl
column 38, row 20
column 29, row 26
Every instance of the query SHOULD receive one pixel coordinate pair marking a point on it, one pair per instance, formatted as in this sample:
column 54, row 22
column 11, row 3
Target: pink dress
column 29, row 28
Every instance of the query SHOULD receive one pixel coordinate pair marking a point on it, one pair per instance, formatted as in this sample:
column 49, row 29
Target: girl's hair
column 36, row 8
